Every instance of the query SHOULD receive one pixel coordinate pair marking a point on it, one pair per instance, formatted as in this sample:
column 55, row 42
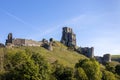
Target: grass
column 115, row 58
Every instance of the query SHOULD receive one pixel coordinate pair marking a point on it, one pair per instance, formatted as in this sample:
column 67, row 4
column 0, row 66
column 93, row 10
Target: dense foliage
column 91, row 68
column 108, row 76
column 117, row 69
column 26, row 66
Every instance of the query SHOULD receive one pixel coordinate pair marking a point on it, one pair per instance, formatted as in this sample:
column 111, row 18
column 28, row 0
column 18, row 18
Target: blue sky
column 95, row 22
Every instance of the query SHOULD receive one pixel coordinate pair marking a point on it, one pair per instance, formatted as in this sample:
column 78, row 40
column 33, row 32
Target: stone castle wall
column 89, row 52
column 104, row 59
column 21, row 42
column 107, row 58
column 18, row 42
column 32, row 43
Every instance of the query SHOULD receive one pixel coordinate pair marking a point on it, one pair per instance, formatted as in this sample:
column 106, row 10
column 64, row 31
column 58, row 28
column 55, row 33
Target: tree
column 117, row 69
column 110, row 67
column 21, row 67
column 24, row 66
column 63, row 73
column 44, row 67
column 108, row 76
column 91, row 68
column 80, row 74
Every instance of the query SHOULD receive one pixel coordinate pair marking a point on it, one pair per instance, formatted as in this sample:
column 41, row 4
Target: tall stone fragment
column 9, row 39
column 68, row 37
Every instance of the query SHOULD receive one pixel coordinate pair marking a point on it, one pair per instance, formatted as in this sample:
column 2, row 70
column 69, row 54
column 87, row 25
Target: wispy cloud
column 53, row 29
column 15, row 17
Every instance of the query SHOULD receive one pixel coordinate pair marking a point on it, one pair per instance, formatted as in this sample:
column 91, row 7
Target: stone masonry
column 21, row 42
column 107, row 58
column 89, row 52
column 68, row 37
column 104, row 59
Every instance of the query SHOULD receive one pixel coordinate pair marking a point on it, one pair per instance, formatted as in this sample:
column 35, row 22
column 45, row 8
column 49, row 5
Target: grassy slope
column 60, row 53
column 116, row 58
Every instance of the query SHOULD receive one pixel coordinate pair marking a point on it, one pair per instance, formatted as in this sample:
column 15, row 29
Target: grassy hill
column 59, row 53
column 116, row 58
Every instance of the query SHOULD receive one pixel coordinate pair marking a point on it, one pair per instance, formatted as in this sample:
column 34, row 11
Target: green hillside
column 116, row 58
column 60, row 53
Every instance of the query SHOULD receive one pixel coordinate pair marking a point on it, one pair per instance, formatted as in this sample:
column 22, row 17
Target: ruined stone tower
column 107, row 58
column 9, row 40
column 68, row 37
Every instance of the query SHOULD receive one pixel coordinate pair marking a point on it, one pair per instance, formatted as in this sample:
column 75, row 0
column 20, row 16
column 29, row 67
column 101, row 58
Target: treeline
column 28, row 65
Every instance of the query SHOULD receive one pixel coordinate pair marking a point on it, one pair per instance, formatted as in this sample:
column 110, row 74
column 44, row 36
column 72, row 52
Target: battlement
column 67, row 29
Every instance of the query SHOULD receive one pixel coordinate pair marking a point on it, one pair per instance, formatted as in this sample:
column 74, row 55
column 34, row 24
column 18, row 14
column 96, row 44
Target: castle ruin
column 104, row 59
column 68, row 37
column 10, row 42
column 89, row 52
column 21, row 42
column 48, row 45
column 107, row 58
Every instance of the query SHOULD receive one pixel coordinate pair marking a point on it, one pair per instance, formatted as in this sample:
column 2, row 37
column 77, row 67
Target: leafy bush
column 91, row 68
column 110, row 67
column 80, row 74
column 63, row 73
column 108, row 76
column 117, row 69
column 23, row 66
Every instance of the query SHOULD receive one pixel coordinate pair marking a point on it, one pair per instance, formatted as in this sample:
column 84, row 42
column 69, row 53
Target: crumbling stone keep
column 68, row 37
